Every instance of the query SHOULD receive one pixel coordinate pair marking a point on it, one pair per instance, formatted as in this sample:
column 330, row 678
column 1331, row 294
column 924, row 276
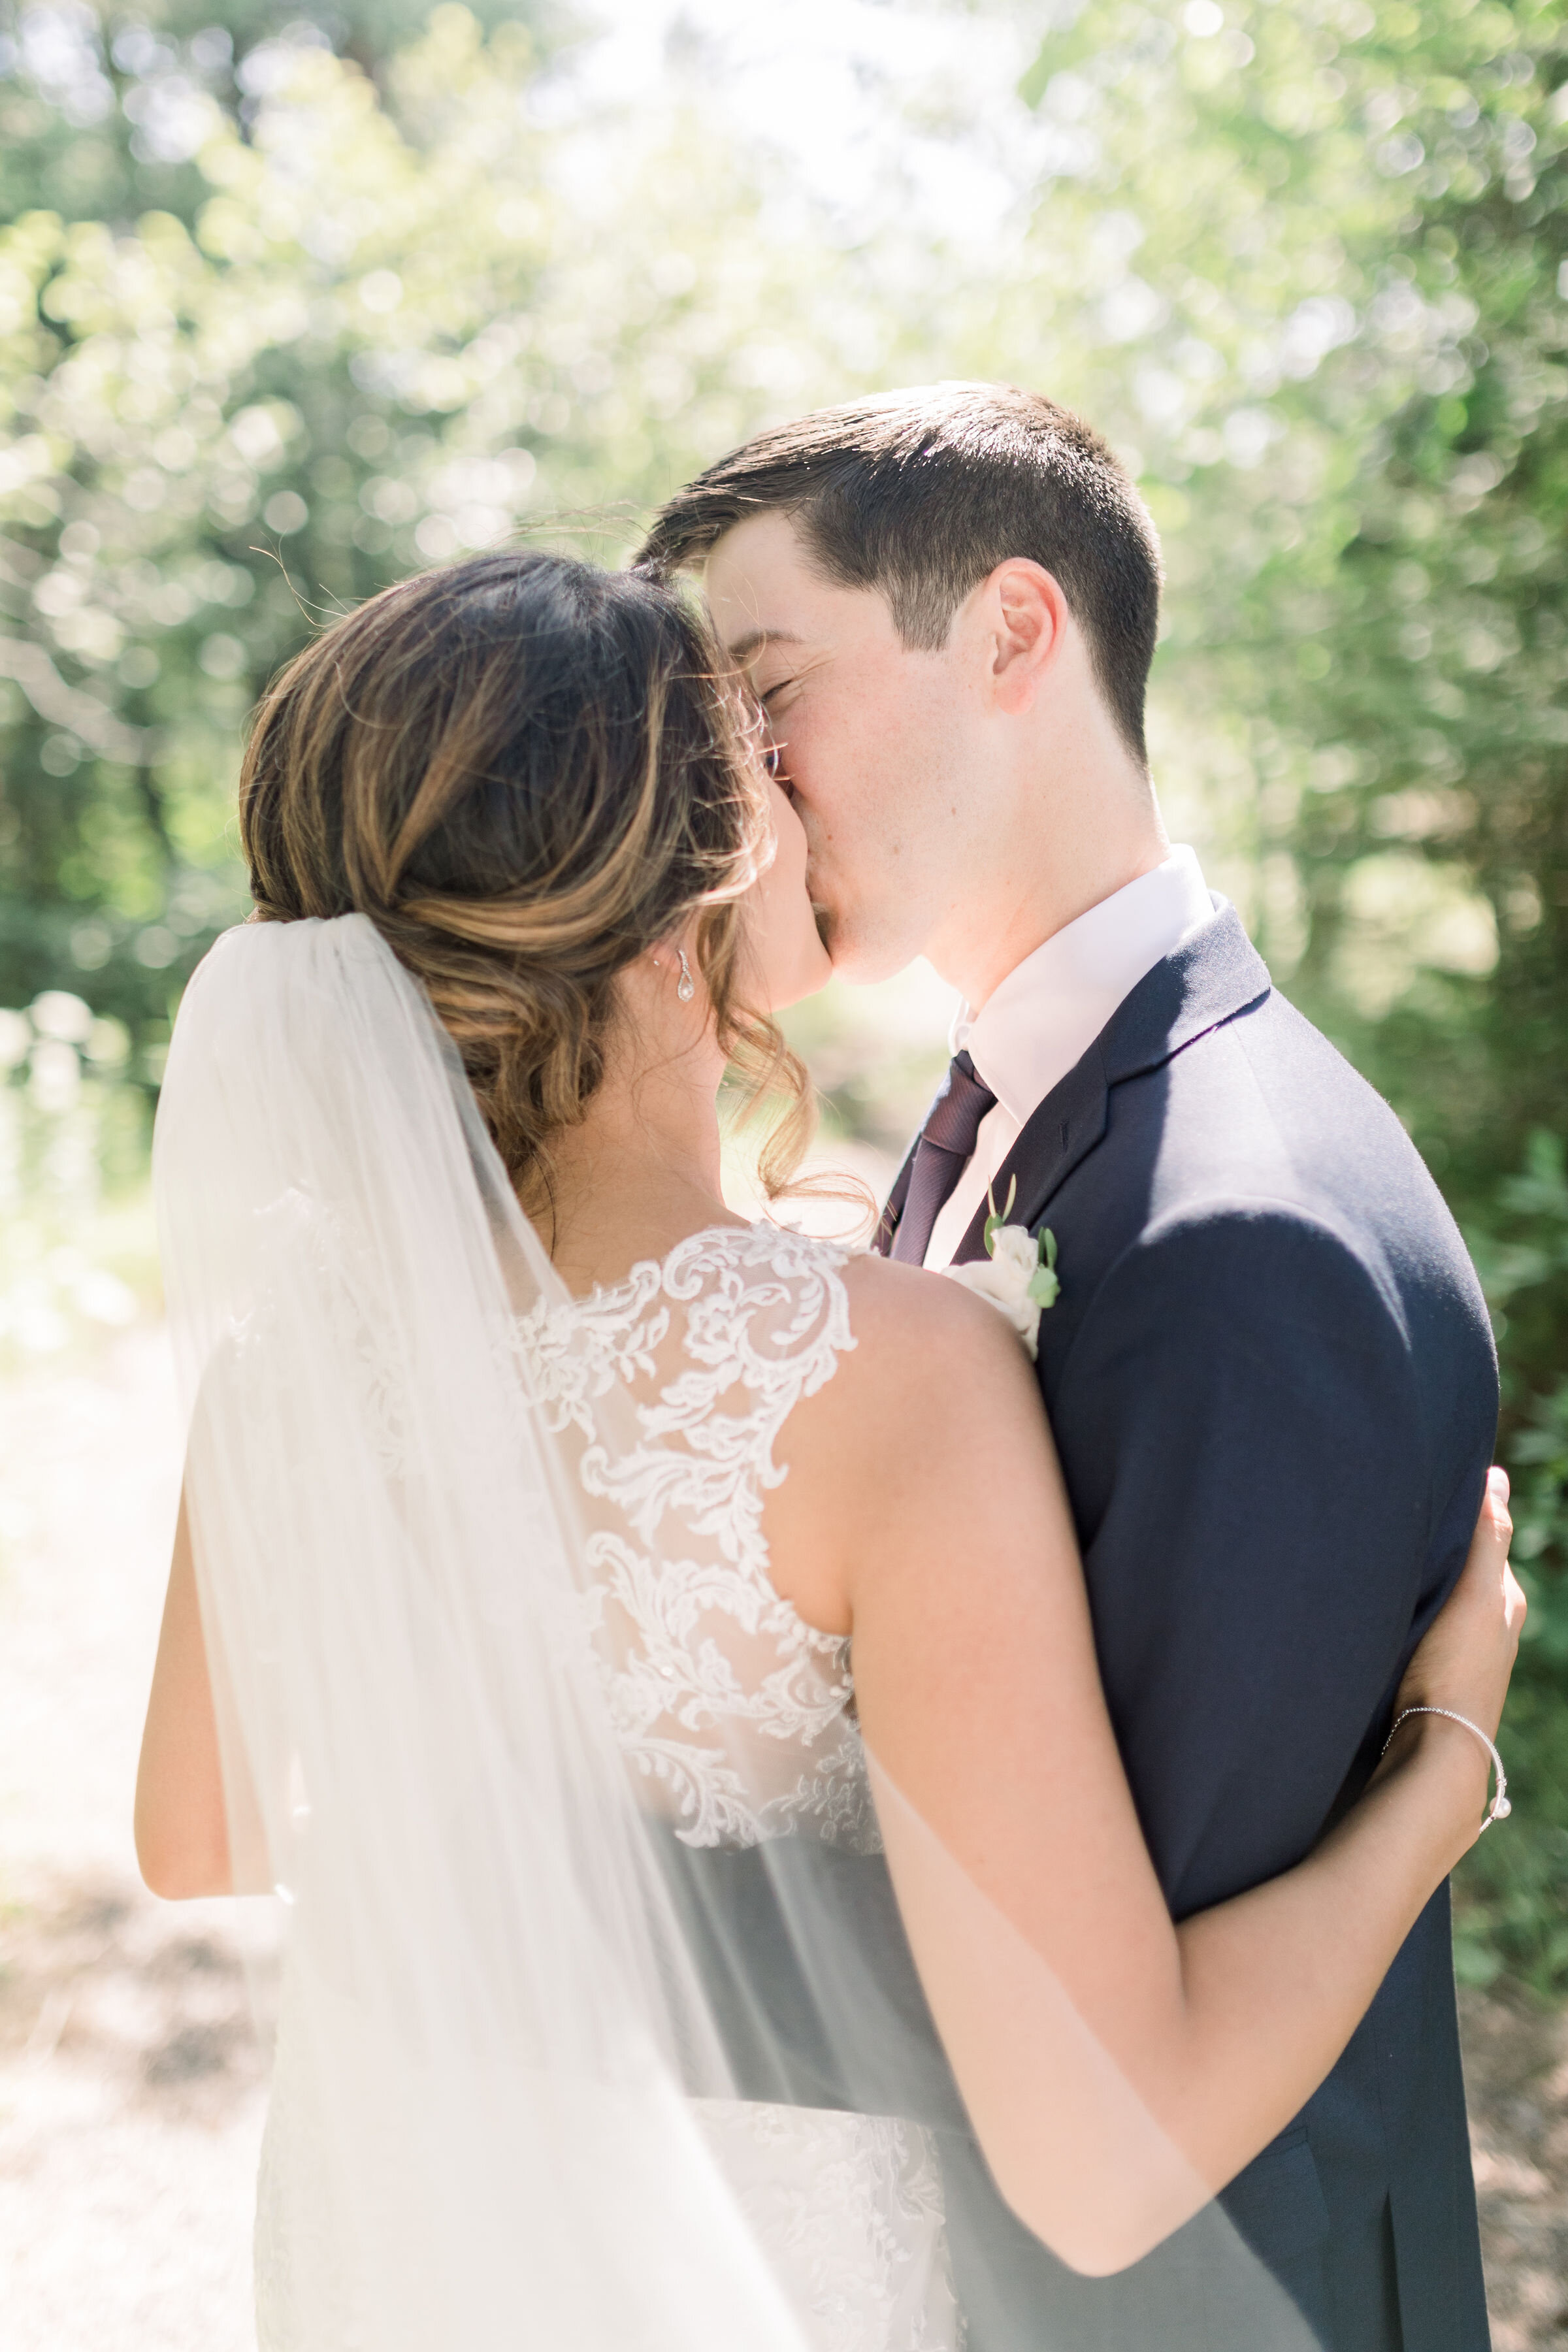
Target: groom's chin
column 856, row 960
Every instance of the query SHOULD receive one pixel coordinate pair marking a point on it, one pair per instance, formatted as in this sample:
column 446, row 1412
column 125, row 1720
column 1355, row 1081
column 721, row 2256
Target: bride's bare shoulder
column 932, row 1409
column 929, row 1350
column 889, row 1300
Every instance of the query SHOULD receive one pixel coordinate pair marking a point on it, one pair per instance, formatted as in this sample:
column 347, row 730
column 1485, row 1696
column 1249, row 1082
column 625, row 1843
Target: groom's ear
column 1023, row 620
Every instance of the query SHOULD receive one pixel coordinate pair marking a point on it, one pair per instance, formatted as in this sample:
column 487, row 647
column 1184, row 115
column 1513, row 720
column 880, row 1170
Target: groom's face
column 877, row 743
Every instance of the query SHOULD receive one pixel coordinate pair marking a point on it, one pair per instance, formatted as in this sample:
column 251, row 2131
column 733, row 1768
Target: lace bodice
column 670, row 1390
column 723, row 1695
column 673, row 1387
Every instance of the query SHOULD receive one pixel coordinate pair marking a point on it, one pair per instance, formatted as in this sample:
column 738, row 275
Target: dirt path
column 131, row 2100
column 131, row 2093
column 1516, row 2068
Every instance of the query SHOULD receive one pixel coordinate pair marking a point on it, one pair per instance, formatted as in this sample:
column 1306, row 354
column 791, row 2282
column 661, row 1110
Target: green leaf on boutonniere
column 1046, row 1288
column 998, row 1217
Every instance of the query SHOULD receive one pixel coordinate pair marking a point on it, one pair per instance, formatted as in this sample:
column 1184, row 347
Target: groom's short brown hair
column 920, row 494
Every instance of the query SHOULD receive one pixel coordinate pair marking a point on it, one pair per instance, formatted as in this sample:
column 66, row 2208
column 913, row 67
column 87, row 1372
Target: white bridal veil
column 505, row 1980
column 485, row 2012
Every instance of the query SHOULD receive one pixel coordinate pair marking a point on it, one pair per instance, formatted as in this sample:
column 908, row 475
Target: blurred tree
column 1312, row 265
column 374, row 323
column 109, row 107
column 1516, row 1913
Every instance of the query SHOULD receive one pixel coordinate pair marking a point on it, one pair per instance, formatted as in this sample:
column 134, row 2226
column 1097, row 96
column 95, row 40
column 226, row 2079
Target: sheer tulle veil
column 504, row 1981
column 487, row 2006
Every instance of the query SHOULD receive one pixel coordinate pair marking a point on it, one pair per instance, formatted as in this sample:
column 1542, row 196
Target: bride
column 644, row 1651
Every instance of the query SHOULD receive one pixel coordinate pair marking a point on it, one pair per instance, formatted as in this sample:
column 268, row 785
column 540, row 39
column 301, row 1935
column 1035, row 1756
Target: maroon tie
column 946, row 1143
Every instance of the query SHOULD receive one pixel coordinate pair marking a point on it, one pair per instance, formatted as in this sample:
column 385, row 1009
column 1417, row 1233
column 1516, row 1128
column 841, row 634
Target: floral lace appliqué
column 721, row 1694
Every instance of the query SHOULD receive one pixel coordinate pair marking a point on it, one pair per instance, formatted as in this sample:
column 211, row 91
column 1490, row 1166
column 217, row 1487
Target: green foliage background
column 291, row 301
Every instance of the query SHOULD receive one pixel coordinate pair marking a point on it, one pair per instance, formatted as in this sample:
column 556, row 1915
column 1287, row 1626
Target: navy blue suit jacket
column 1273, row 1388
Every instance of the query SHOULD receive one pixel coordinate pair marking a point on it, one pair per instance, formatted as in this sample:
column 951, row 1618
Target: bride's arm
column 183, row 1842
column 181, row 1828
column 1117, row 2069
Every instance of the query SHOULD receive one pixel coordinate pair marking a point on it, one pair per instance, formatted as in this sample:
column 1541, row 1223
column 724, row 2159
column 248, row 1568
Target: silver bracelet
column 1501, row 1807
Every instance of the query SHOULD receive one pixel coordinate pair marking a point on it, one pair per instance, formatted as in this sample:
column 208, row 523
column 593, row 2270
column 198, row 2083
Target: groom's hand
column 1464, row 1663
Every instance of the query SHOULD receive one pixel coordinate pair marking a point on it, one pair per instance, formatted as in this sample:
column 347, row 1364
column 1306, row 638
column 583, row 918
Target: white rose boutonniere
column 1017, row 1274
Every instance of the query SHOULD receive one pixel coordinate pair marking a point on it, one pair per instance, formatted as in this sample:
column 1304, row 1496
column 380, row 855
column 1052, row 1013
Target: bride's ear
column 663, row 987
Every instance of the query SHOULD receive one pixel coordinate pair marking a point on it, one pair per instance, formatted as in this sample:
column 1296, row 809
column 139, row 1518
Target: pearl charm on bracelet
column 1501, row 1806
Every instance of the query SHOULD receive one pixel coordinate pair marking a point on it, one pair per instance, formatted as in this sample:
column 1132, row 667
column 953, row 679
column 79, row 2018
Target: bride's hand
column 1466, row 1658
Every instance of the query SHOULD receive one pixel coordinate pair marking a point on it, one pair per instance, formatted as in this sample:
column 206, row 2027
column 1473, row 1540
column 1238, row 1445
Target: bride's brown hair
column 526, row 772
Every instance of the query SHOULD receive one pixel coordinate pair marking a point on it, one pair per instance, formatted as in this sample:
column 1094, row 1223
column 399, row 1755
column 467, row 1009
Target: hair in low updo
column 526, row 772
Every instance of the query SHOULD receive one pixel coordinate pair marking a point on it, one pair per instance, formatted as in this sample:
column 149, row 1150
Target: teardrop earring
column 685, row 987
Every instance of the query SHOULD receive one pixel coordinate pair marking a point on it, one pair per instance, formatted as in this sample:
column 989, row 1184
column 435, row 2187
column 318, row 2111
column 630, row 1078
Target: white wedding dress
column 568, row 1809
column 737, row 1721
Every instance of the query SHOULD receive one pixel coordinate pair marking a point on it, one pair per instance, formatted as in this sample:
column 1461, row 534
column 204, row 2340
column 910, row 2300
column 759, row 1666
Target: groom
column 1269, row 1371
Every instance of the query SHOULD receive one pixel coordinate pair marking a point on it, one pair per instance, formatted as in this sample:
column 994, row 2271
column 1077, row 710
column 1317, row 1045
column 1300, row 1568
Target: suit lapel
column 1216, row 976
column 1067, row 1126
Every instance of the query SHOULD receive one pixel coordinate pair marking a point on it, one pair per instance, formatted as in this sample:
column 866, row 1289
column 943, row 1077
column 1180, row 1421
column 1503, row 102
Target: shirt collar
column 1042, row 1019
